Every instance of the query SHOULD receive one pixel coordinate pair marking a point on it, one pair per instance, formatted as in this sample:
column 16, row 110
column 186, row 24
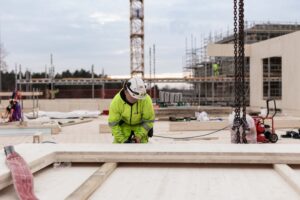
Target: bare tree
column 3, row 64
column 3, row 54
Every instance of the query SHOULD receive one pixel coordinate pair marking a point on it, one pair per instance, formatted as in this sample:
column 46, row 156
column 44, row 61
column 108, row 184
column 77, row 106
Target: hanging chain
column 239, row 66
column 236, row 122
column 242, row 66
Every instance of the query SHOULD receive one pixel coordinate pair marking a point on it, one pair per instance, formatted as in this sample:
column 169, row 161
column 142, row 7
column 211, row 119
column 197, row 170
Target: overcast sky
column 80, row 33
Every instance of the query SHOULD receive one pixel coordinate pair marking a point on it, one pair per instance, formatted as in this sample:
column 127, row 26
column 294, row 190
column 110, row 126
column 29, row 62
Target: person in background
column 216, row 68
column 16, row 95
column 131, row 113
column 7, row 116
column 16, row 113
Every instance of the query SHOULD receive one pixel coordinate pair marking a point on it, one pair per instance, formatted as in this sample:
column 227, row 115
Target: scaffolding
column 218, row 92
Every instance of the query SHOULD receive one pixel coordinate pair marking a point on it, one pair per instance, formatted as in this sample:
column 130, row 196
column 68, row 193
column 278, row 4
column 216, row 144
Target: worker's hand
column 137, row 140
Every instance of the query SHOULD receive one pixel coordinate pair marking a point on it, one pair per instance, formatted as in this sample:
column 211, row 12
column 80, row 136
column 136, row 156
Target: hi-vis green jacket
column 124, row 118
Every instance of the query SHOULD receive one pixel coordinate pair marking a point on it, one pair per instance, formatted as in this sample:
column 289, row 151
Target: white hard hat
column 136, row 88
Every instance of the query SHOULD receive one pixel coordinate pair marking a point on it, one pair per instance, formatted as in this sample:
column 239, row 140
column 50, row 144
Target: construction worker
column 131, row 113
column 216, row 69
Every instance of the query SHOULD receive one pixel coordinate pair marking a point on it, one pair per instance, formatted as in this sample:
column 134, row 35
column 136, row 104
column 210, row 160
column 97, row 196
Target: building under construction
column 73, row 156
column 220, row 89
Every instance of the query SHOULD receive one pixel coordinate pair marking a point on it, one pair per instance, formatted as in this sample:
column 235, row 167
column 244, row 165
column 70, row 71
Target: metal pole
column 213, row 86
column 33, row 105
column 20, row 77
column 150, row 67
column 27, row 80
column 103, row 90
column 37, row 105
column 103, row 84
column 16, row 77
column 269, row 76
column 30, row 80
column 46, row 71
column 154, row 65
column 52, row 76
column 199, row 93
column 93, row 84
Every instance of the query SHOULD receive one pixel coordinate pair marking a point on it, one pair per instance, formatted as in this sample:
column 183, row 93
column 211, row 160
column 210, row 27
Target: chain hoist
column 240, row 125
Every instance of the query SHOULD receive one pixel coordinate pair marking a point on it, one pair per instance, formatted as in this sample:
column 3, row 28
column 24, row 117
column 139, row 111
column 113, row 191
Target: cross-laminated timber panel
column 38, row 156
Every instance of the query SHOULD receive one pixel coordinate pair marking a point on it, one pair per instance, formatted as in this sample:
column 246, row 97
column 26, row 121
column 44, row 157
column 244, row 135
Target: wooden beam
column 289, row 175
column 178, row 157
column 181, row 153
column 86, row 189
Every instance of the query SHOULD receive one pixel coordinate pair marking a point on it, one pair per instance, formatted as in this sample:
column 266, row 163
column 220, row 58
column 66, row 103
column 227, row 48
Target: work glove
column 150, row 133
